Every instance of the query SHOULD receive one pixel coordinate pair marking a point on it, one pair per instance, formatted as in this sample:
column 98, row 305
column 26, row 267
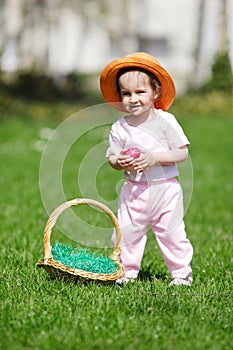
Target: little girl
column 151, row 195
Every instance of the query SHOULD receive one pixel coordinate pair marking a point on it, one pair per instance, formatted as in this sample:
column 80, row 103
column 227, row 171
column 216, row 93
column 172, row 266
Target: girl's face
column 137, row 94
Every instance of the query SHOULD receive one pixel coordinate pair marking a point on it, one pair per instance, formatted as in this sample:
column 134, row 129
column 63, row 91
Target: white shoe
column 181, row 281
column 124, row 280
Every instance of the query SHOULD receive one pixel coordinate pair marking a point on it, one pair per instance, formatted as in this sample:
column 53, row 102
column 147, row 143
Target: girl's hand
column 145, row 161
column 125, row 161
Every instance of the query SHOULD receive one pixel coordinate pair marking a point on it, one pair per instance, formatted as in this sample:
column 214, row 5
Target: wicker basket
column 58, row 270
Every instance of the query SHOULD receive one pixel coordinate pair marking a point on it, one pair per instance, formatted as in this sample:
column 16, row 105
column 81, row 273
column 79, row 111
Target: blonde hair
column 154, row 81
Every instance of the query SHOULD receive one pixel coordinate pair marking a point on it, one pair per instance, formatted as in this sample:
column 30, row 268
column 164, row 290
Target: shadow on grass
column 146, row 275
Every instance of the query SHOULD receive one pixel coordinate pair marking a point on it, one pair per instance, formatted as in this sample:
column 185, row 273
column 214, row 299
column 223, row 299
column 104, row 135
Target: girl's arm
column 174, row 156
column 149, row 159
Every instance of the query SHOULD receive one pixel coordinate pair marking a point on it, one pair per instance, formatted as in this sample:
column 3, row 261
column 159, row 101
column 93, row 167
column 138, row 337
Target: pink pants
column 159, row 204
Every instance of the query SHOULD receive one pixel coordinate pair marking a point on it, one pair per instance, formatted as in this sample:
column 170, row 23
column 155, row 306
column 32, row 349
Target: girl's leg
column 133, row 220
column 177, row 251
column 170, row 232
column 131, row 256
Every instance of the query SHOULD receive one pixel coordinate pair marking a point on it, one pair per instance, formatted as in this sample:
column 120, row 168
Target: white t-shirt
column 160, row 134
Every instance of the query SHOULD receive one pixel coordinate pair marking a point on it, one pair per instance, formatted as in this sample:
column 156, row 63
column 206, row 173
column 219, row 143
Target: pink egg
column 133, row 152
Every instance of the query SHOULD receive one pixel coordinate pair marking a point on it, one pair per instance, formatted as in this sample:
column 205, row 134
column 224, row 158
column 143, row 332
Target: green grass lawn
column 39, row 313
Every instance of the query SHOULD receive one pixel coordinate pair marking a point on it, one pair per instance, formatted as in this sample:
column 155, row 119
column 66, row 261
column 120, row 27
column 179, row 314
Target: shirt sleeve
column 115, row 143
column 175, row 134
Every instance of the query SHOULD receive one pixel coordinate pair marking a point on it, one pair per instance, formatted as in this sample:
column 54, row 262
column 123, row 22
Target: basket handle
column 61, row 208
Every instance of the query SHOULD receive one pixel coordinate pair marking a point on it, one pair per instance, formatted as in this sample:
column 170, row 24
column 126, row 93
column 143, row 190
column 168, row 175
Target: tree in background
column 222, row 77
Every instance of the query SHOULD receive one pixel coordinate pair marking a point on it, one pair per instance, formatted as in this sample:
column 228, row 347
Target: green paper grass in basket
column 83, row 259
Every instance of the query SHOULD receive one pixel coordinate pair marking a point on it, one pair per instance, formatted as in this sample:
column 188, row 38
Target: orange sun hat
column 140, row 60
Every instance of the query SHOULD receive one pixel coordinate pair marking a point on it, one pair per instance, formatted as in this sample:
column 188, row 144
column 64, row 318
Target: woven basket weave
column 58, row 270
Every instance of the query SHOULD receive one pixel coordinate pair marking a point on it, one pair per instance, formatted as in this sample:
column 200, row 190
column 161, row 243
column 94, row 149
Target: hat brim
column 149, row 63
